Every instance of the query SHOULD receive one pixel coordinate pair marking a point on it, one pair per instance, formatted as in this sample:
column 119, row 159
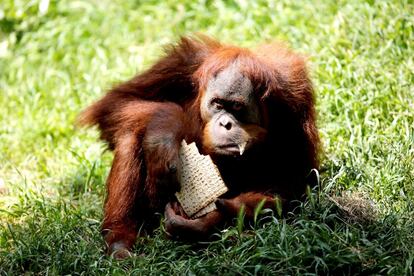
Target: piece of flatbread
column 201, row 183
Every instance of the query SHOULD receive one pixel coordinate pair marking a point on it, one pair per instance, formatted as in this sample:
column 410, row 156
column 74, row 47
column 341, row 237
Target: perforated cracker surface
column 201, row 183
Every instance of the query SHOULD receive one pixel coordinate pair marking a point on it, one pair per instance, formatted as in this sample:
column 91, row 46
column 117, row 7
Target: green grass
column 54, row 62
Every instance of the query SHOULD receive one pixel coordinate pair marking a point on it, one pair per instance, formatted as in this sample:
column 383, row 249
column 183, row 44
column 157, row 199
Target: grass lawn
column 57, row 57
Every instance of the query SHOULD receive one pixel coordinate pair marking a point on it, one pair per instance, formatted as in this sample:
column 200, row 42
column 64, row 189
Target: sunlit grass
column 56, row 60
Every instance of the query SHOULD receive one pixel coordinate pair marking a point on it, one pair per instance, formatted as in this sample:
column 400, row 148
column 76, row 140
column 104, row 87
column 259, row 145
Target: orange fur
column 144, row 119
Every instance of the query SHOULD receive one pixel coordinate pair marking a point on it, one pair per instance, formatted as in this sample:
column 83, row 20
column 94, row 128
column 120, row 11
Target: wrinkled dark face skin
column 231, row 113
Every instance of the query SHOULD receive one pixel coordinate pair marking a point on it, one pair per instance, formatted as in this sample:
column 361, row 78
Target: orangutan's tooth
column 242, row 147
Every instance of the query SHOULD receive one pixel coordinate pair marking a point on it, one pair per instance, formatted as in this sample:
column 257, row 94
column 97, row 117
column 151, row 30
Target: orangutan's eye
column 237, row 106
column 217, row 104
